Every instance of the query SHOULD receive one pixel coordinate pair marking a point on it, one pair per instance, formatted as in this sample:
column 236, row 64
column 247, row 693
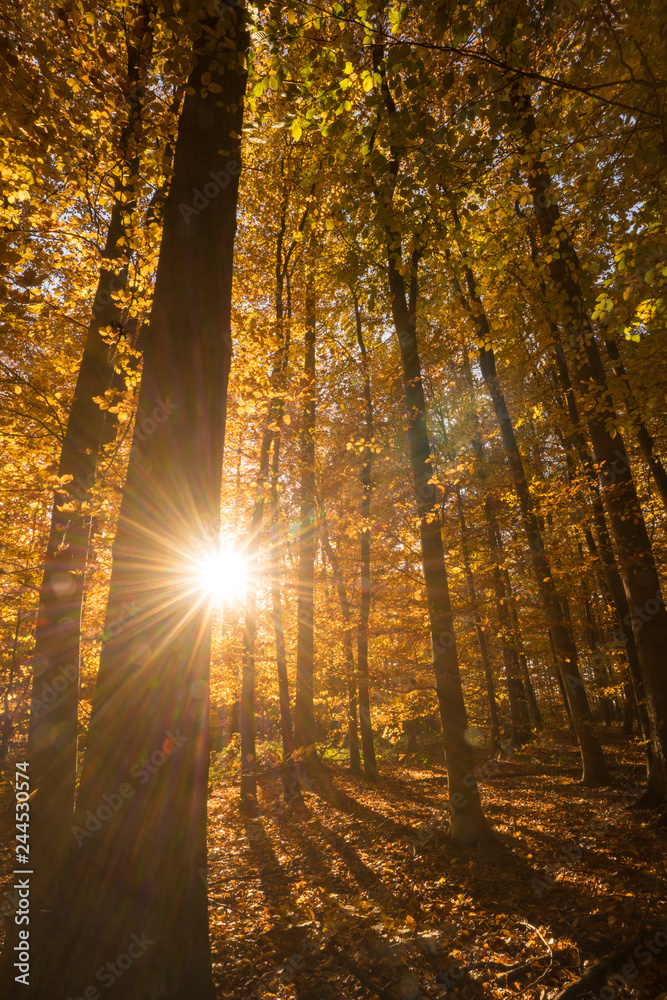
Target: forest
column 333, row 527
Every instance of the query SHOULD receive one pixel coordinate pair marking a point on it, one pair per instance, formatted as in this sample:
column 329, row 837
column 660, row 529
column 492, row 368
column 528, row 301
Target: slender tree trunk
column 636, row 560
column 305, row 728
column 533, row 706
column 248, row 789
column 8, row 718
column 353, row 733
column 270, row 436
column 603, row 550
column 291, row 788
column 468, row 823
column 598, row 664
column 561, row 685
column 594, row 765
column 133, row 869
column 644, row 436
column 286, row 727
column 478, row 449
column 370, row 763
column 467, row 819
column 517, row 698
column 481, row 636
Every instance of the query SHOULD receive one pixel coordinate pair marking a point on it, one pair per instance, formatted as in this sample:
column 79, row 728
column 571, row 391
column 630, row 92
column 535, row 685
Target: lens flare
column 221, row 573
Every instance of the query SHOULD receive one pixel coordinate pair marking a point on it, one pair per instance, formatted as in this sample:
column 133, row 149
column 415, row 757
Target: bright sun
column 221, row 573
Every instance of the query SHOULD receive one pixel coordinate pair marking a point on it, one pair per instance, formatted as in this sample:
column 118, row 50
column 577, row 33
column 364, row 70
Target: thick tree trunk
column 636, row 560
column 132, row 882
column 304, row 714
column 55, row 686
column 516, row 694
column 370, row 763
column 594, row 765
column 481, row 637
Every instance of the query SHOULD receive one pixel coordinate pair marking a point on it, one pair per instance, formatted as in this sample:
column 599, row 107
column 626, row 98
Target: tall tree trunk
column 353, row 733
column 248, row 788
column 594, row 765
column 468, row 823
column 598, row 664
column 370, row 763
column 304, row 713
column 636, row 560
column 517, row 697
column 481, row 636
column 271, row 435
column 603, row 550
column 7, row 723
column 644, row 436
column 291, row 788
column 286, row 726
column 53, row 725
column 533, row 707
column 132, row 880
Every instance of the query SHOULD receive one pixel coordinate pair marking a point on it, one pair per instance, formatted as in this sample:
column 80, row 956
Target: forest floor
column 357, row 892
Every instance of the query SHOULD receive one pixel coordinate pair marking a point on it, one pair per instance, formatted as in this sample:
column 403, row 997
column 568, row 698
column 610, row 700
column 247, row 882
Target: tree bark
column 603, row 550
column 353, row 732
column 304, row 713
column 517, row 697
column 268, row 456
column 481, row 636
column 533, row 706
column 133, row 869
column 291, row 787
column 468, row 823
column 636, row 560
column 53, row 728
column 370, row 763
column 644, row 437
column 290, row 784
column 594, row 765
column 248, row 786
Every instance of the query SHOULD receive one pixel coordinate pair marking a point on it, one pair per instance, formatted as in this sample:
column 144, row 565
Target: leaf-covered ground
column 358, row 892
